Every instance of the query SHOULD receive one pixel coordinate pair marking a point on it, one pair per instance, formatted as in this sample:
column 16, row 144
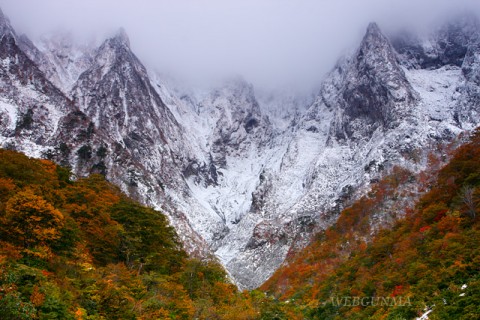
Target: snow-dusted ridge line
column 246, row 176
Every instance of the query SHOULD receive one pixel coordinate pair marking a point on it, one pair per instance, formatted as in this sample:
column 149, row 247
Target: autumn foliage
column 83, row 250
column 395, row 242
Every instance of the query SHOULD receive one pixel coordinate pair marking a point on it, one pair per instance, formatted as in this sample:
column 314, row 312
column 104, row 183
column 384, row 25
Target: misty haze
column 267, row 42
column 239, row 159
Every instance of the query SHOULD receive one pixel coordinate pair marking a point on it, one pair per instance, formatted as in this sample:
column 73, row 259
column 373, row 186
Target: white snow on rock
column 244, row 175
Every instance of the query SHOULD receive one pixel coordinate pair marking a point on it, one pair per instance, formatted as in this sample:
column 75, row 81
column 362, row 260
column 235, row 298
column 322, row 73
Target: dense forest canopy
column 429, row 256
column 81, row 249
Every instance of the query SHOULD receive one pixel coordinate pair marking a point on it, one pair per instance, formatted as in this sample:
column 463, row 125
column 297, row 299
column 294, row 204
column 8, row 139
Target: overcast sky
column 267, row 41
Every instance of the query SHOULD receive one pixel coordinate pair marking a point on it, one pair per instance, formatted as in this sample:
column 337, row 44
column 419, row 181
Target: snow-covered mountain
column 245, row 176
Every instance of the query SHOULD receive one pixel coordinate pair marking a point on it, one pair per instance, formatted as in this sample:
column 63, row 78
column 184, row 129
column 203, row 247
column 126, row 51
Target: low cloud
column 269, row 42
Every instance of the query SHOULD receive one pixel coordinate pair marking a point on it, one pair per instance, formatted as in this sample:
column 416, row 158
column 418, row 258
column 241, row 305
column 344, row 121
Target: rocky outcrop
column 30, row 105
column 375, row 92
column 447, row 45
column 245, row 178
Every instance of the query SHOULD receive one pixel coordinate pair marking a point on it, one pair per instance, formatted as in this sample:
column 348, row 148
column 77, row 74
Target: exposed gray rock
column 246, row 176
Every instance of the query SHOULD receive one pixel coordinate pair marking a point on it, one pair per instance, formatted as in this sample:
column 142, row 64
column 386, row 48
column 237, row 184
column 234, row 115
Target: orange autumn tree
column 80, row 249
column 31, row 220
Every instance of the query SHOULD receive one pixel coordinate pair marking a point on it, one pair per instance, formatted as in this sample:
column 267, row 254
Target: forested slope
column 83, row 250
column 427, row 258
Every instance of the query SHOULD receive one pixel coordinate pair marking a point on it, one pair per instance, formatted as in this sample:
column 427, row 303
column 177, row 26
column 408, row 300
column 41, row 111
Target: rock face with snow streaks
column 376, row 92
column 245, row 176
column 30, row 105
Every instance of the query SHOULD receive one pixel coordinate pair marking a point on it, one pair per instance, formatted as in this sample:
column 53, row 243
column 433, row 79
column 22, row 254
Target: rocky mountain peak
column 116, row 92
column 373, row 30
column 236, row 82
column 60, row 57
column 227, row 176
column 121, row 37
column 375, row 49
column 446, row 45
column 374, row 39
column 239, row 89
column 115, row 55
column 373, row 90
column 454, row 38
column 5, row 27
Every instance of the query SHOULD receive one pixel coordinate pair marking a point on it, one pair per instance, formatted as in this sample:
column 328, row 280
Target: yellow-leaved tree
column 30, row 220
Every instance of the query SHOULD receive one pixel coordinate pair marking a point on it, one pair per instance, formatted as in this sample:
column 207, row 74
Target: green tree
column 148, row 242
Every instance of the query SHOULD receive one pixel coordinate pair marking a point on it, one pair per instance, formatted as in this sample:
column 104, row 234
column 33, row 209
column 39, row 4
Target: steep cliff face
column 376, row 92
column 452, row 46
column 30, row 105
column 232, row 138
column 467, row 111
column 239, row 122
column 60, row 58
column 139, row 144
column 245, row 176
column 371, row 113
column 447, row 45
column 115, row 92
column 115, row 124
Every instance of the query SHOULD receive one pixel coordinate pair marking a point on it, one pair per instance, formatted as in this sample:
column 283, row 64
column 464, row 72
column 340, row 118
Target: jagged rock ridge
column 244, row 178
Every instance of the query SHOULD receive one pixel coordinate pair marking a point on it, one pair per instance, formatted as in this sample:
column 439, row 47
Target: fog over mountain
column 269, row 42
column 244, row 174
